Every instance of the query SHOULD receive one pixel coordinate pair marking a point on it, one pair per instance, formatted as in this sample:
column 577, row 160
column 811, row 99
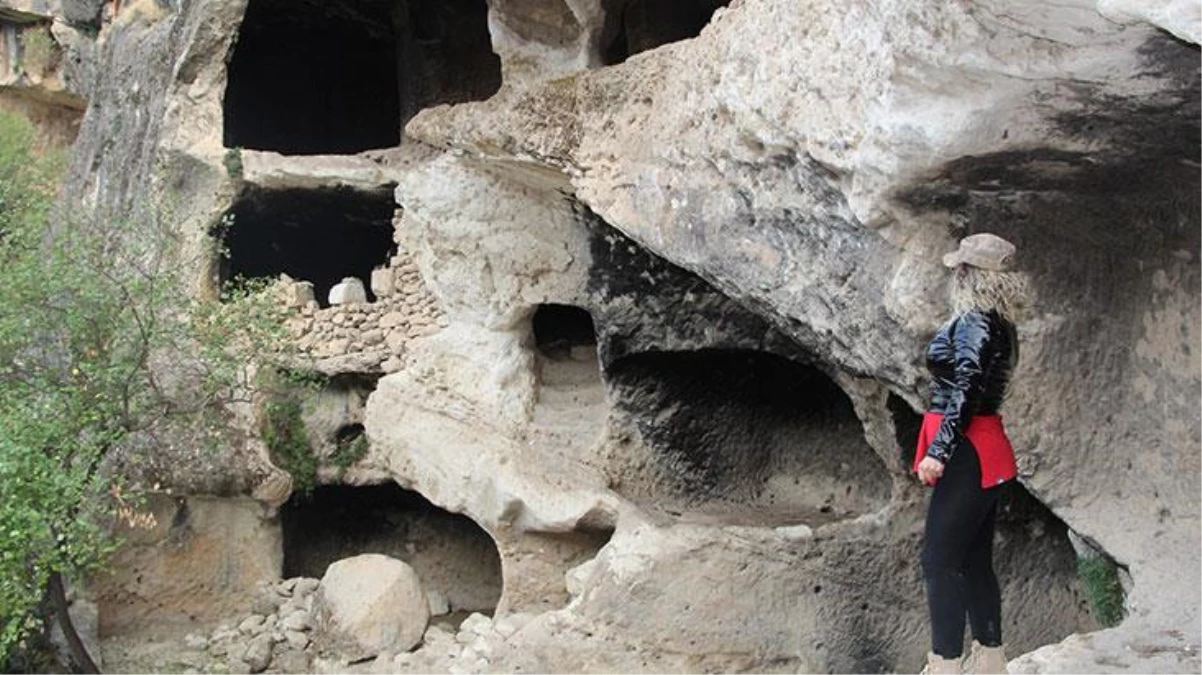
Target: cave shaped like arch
column 745, row 437
column 319, row 236
column 641, row 25
column 340, row 77
column 457, row 561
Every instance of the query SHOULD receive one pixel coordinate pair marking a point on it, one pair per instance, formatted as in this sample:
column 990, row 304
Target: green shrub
column 1100, row 576
column 102, row 344
column 348, row 454
column 233, row 163
column 284, row 426
column 288, row 442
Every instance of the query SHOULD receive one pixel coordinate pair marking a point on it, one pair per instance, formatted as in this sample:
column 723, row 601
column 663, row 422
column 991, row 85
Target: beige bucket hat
column 985, row 251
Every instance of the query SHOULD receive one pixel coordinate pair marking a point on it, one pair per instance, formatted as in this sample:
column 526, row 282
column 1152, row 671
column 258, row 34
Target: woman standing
column 963, row 452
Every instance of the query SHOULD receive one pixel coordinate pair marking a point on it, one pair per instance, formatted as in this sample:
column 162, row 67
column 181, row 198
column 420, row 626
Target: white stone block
column 350, row 291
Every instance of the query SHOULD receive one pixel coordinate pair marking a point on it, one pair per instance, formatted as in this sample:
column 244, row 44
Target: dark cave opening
column 642, row 25
column 571, row 402
column 457, row 561
column 319, row 236
column 347, row 435
column 560, row 327
column 308, row 77
column 446, row 54
column 314, row 78
column 746, row 436
column 907, row 424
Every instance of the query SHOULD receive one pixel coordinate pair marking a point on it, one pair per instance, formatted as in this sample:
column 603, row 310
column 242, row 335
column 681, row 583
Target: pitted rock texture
column 782, row 183
column 746, row 438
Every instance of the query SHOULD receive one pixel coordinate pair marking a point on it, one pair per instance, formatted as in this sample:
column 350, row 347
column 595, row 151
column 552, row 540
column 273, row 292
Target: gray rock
column 438, row 602
column 476, row 623
column 252, row 624
column 258, row 654
column 509, row 624
column 296, row 639
column 266, row 603
column 196, row 641
column 291, row 661
column 298, row 620
column 305, row 586
column 82, row 11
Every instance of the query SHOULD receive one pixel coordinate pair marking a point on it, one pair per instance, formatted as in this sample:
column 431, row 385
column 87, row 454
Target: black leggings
column 957, row 557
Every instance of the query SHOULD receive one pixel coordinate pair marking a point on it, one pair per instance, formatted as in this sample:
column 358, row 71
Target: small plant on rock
column 286, row 438
column 1100, row 576
column 349, row 452
column 233, row 163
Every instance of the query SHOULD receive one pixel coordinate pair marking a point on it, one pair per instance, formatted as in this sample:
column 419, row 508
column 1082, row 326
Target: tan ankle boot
column 937, row 665
column 984, row 659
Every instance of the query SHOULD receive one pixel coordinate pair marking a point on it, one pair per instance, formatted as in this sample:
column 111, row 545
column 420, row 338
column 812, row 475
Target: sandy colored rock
column 221, row 553
column 779, row 183
column 368, row 604
column 382, row 284
column 258, row 654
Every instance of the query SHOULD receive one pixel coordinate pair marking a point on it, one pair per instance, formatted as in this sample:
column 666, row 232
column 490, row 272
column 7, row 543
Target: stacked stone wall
column 375, row 332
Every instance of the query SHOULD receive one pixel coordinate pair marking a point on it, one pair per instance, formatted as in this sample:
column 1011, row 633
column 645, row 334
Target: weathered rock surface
column 368, row 604
column 779, row 187
column 814, row 169
column 202, row 556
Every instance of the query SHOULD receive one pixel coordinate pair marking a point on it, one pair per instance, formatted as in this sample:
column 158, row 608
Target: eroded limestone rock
column 368, row 604
column 784, row 183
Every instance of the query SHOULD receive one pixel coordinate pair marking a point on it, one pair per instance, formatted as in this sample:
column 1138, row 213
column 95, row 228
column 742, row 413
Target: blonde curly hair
column 1007, row 292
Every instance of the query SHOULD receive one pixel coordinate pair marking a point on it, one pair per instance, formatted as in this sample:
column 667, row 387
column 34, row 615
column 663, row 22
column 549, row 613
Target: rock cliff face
column 659, row 280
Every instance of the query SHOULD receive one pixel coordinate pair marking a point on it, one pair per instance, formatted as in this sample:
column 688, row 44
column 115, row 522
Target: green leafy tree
column 101, row 344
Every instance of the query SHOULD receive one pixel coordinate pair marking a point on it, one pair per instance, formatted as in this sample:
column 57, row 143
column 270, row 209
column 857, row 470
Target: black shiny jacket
column 971, row 359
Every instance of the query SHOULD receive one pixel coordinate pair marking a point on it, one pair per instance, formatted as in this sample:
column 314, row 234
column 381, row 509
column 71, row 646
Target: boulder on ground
column 368, row 604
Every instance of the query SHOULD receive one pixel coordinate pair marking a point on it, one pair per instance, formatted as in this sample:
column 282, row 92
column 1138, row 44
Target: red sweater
column 987, row 435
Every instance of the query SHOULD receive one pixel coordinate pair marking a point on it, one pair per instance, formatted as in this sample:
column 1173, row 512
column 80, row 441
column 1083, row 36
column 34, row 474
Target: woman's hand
column 930, row 470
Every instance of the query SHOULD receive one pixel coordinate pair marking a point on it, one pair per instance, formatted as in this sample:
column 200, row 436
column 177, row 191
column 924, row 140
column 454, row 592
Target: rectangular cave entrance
column 560, row 329
column 319, row 236
column 746, row 437
column 340, row 77
column 457, row 561
column 571, row 403
column 642, row 25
